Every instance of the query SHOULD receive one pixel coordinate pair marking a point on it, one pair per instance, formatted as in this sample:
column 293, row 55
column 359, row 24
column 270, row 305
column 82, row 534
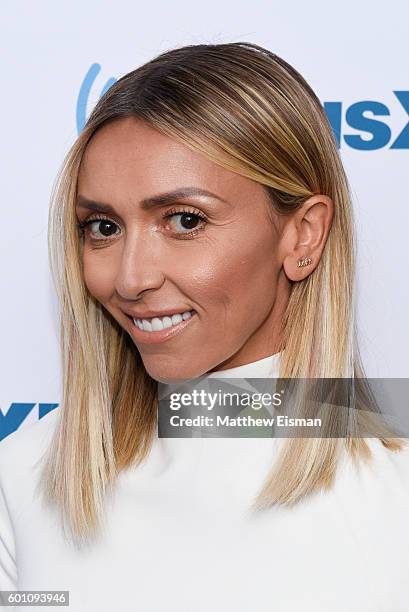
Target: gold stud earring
column 304, row 262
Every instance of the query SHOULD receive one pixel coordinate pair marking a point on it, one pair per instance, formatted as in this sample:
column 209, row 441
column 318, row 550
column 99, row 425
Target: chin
column 169, row 375
column 168, row 379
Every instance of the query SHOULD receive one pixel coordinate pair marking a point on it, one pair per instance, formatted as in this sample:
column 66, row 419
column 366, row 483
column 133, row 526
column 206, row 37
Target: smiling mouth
column 154, row 330
column 157, row 324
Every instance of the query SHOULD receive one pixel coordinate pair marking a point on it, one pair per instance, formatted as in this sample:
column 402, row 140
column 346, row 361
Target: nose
column 140, row 266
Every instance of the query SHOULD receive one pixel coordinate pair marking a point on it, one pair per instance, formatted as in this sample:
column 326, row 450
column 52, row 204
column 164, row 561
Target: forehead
column 129, row 158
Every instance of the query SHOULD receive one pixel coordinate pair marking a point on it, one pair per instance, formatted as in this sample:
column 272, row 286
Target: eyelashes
column 187, row 212
column 188, row 215
column 83, row 226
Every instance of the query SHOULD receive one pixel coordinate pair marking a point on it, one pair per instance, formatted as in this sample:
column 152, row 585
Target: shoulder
column 385, row 460
column 383, row 476
column 21, row 451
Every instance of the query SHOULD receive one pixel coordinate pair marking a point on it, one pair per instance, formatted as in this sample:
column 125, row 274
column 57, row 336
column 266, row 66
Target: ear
column 305, row 235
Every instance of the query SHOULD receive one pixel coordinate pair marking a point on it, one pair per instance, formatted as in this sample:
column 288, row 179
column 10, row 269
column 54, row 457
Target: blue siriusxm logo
column 17, row 413
column 83, row 96
column 379, row 130
column 339, row 117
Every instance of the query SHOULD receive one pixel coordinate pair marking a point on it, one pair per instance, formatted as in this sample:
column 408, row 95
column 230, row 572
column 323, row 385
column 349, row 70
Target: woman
column 202, row 225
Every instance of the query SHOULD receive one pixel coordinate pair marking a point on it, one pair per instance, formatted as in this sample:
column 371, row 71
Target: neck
column 266, row 367
column 234, row 451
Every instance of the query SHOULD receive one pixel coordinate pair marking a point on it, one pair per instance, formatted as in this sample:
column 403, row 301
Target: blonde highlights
column 248, row 110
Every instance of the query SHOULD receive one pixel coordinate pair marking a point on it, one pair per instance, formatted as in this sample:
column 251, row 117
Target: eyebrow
column 161, row 199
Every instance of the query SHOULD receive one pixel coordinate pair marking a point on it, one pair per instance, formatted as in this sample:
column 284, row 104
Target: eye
column 187, row 223
column 184, row 223
column 101, row 224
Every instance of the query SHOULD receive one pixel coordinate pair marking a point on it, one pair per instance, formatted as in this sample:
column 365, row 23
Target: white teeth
column 147, row 325
column 156, row 323
column 176, row 318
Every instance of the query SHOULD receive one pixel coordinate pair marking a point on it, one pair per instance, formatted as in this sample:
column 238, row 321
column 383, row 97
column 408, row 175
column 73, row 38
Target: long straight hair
column 248, row 110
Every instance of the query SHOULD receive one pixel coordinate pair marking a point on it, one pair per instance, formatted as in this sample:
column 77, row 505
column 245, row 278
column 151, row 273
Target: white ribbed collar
column 251, row 456
column 262, row 368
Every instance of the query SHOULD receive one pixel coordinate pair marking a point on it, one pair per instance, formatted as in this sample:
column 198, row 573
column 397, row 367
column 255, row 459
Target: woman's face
column 149, row 249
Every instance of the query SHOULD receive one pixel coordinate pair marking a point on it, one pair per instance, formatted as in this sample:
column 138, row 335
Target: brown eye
column 189, row 220
column 107, row 228
column 186, row 223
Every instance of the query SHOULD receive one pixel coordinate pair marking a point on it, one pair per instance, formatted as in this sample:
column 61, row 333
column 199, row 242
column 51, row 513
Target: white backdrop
column 59, row 56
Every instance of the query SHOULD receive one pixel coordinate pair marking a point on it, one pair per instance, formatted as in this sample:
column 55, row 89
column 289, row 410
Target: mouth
column 159, row 329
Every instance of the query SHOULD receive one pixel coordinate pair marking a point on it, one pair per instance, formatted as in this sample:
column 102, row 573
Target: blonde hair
column 248, row 110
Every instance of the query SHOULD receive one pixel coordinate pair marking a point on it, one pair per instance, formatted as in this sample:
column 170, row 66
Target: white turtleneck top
column 179, row 536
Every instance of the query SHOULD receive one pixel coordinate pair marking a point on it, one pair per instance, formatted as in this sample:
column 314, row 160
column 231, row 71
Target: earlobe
column 293, row 270
column 304, row 262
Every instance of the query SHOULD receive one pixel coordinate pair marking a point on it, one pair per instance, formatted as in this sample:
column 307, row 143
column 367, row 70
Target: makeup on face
column 181, row 252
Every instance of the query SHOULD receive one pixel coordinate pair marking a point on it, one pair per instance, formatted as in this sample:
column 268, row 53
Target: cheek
column 236, row 279
column 99, row 275
column 255, row 274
